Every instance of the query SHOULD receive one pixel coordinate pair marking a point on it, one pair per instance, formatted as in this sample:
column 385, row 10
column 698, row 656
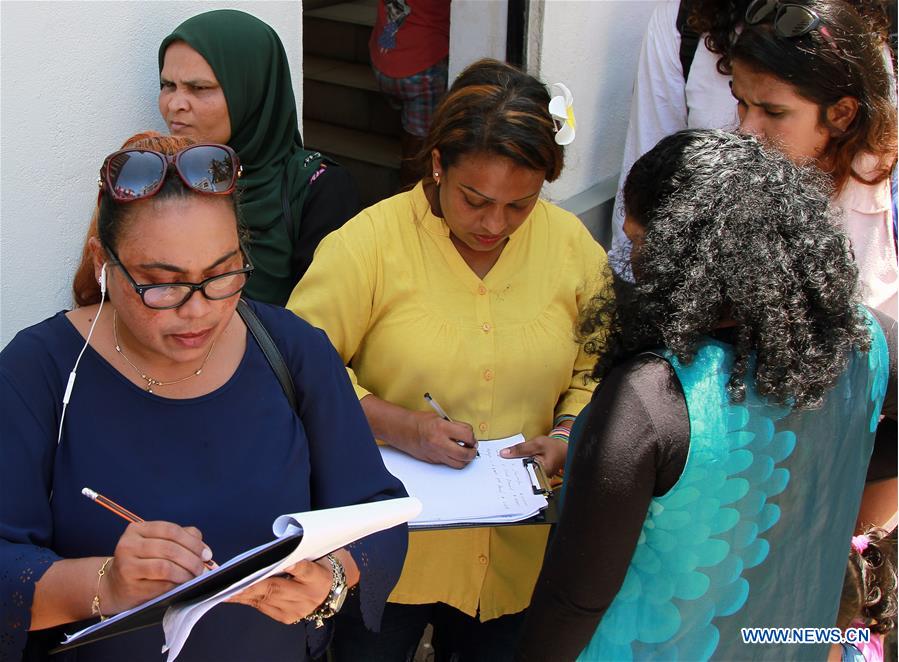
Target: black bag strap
column 689, row 38
column 272, row 354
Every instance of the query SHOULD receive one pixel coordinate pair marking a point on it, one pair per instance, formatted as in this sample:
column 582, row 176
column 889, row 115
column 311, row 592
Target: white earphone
column 71, row 383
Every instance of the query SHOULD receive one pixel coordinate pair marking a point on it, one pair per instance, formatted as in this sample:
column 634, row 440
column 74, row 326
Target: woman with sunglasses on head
column 224, row 77
column 683, row 80
column 176, row 414
column 715, row 477
column 809, row 77
column 468, row 287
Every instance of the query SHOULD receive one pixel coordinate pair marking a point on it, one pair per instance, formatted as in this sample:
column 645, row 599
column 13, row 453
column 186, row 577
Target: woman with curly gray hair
column 733, row 424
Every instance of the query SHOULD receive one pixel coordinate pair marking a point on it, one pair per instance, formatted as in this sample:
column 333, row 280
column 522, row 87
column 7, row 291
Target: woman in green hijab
column 224, row 77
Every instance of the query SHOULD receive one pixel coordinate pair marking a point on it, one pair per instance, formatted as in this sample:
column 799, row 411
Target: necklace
column 151, row 383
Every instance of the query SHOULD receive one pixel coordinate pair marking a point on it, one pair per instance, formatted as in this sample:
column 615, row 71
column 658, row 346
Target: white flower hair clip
column 561, row 109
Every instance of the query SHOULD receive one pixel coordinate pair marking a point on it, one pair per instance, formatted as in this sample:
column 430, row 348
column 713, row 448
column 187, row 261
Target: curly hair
column 869, row 586
column 718, row 20
column 735, row 234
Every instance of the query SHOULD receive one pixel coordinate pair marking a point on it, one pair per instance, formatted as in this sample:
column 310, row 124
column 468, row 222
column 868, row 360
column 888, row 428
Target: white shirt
column 867, row 218
column 663, row 104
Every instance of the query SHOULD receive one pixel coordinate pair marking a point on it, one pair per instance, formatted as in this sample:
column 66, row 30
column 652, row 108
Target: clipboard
column 541, row 485
column 489, row 491
column 151, row 612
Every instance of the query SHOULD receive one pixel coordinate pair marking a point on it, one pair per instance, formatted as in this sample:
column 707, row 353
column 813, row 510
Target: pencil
column 436, row 407
column 123, row 512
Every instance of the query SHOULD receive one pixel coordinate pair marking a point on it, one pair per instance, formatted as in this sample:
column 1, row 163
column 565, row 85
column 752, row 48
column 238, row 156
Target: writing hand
column 150, row 559
column 438, row 441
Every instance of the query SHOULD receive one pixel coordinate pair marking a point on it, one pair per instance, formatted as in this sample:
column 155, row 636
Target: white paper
column 323, row 532
column 489, row 490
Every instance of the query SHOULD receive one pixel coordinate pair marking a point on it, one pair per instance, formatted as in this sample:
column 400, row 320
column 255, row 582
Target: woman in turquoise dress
column 714, row 480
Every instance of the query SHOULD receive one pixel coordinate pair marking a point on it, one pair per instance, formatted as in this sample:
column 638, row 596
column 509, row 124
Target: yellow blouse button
column 482, row 427
column 482, row 559
column 486, row 327
column 482, row 290
column 488, row 375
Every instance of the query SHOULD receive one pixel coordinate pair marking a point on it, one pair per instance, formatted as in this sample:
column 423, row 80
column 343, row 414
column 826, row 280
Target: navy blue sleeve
column 28, row 415
column 346, row 465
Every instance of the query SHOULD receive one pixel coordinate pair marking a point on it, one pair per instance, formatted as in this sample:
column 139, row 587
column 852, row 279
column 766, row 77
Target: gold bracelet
column 95, row 603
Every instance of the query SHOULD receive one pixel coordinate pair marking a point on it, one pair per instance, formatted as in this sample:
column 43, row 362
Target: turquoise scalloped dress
column 756, row 531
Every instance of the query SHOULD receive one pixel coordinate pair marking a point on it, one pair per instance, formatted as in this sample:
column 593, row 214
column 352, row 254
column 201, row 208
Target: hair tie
column 561, row 109
column 860, row 543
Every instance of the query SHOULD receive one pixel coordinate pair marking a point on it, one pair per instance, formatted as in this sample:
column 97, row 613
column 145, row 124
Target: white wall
column 477, row 29
column 78, row 78
column 592, row 46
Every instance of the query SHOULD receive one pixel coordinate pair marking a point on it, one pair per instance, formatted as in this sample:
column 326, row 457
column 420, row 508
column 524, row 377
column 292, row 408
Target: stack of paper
column 489, row 490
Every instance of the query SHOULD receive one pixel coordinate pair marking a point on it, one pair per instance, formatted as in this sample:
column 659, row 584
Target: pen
column 124, row 513
column 436, row 407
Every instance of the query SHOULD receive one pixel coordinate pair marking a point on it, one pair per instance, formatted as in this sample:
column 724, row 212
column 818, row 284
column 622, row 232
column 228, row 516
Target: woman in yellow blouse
column 469, row 287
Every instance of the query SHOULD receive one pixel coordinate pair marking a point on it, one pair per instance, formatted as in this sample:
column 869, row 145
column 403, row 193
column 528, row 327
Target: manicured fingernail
column 207, row 554
column 505, row 452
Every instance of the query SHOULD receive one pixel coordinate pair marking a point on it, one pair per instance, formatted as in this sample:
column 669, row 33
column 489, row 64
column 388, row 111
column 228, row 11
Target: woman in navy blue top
column 177, row 415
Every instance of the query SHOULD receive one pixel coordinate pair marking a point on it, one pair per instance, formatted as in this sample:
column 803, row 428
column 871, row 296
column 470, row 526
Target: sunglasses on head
column 790, row 19
column 134, row 174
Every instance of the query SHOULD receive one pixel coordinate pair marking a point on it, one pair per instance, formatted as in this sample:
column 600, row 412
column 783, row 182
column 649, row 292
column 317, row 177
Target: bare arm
column 65, row 592
column 150, row 559
column 423, row 435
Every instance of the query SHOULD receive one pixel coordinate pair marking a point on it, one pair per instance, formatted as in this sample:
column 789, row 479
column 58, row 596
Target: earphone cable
column 71, row 382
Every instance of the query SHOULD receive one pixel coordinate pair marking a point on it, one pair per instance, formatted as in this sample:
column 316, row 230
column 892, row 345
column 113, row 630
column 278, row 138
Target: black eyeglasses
column 164, row 296
column 790, row 19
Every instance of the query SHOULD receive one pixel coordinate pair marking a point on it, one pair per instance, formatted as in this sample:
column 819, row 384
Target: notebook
column 298, row 537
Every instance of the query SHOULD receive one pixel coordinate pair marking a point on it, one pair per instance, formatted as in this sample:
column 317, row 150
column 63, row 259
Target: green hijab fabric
column 250, row 64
